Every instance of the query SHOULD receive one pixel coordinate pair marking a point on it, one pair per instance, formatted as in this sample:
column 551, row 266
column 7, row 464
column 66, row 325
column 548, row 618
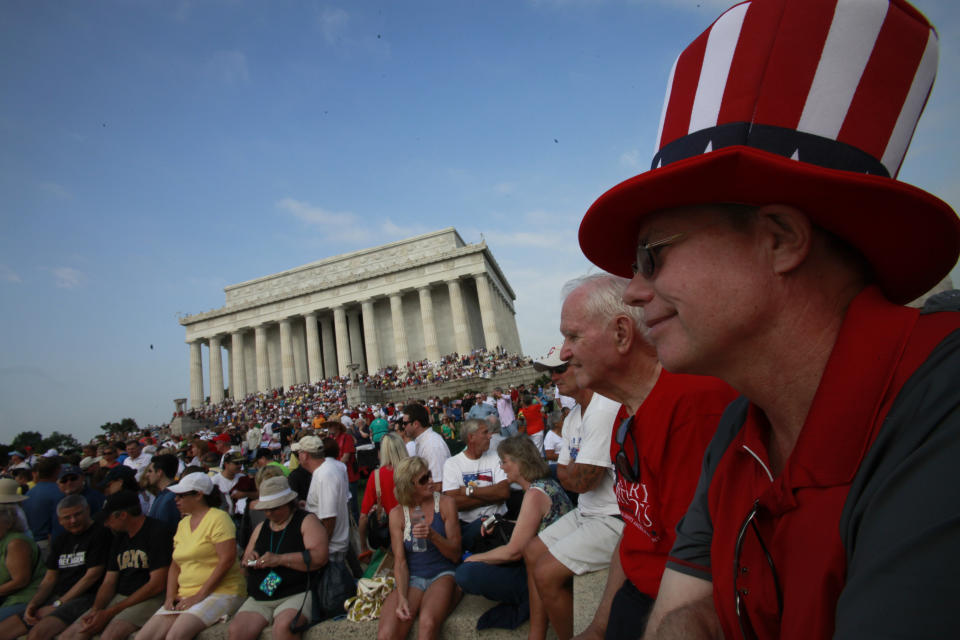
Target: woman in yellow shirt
column 204, row 583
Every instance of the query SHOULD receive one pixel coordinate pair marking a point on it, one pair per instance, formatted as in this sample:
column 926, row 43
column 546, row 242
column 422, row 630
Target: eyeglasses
column 629, row 471
column 406, row 421
column 65, row 479
column 561, row 369
column 646, row 262
column 424, row 479
column 185, row 494
column 743, row 618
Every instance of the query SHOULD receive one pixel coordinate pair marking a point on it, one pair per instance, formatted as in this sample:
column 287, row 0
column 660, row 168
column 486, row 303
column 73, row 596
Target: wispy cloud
column 333, row 23
column 68, row 277
column 630, row 159
column 312, row 214
column 392, row 230
column 228, row 67
column 714, row 6
column 505, row 188
column 336, row 28
column 55, row 190
column 8, row 275
column 343, row 226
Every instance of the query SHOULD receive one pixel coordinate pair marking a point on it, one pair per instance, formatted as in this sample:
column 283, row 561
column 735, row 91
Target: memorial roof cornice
column 465, row 250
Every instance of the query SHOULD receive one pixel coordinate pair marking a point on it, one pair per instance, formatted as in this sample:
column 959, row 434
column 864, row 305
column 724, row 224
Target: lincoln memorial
column 414, row 299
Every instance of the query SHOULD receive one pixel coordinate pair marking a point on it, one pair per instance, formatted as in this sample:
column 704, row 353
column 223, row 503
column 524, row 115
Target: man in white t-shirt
column 328, row 494
column 584, row 539
column 429, row 443
column 474, row 479
column 136, row 459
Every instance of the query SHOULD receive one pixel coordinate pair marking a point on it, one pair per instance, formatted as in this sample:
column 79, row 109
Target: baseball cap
column 310, row 444
column 197, row 481
column 121, row 500
column 550, row 361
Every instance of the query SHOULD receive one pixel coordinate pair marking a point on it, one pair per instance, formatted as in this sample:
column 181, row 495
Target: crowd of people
column 329, row 396
column 748, row 428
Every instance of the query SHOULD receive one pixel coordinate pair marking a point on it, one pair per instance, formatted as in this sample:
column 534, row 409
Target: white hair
column 604, row 297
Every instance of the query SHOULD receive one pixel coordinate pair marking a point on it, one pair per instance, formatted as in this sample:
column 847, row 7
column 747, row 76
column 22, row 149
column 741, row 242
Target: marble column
column 286, row 354
column 263, row 359
column 329, row 349
column 216, row 371
column 461, row 331
column 429, row 326
column 370, row 337
column 196, row 374
column 399, row 333
column 356, row 340
column 343, row 340
column 488, row 314
column 238, row 379
column 315, row 373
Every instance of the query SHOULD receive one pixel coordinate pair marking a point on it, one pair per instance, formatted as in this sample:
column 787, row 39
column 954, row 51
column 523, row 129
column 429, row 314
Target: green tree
column 125, row 425
column 32, row 439
column 59, row 441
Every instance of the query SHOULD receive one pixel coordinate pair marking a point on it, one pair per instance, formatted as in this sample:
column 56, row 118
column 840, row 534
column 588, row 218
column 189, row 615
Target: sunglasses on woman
column 424, row 479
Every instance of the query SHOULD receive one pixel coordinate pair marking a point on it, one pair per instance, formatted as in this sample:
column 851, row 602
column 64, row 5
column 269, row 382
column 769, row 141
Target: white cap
column 196, row 481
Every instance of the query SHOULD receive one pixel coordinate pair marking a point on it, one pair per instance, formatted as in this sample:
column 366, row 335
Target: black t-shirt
column 134, row 558
column 72, row 555
column 299, row 480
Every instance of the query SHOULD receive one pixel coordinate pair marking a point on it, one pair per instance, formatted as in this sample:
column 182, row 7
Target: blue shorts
column 416, row 582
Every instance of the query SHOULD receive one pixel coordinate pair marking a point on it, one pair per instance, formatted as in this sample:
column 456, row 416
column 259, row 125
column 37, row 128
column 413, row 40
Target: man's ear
column 623, row 333
column 788, row 235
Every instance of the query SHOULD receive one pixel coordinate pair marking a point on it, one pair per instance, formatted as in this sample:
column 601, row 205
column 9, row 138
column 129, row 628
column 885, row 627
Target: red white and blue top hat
column 810, row 103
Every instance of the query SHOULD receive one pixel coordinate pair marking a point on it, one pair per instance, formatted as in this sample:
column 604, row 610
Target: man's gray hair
column 73, row 500
column 604, row 297
column 470, row 426
column 494, row 422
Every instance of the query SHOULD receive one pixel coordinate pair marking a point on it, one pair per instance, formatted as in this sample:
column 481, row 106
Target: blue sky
column 153, row 152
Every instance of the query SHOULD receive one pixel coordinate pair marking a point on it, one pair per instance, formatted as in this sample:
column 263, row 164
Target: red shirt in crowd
column 672, row 429
column 533, row 414
column 387, row 498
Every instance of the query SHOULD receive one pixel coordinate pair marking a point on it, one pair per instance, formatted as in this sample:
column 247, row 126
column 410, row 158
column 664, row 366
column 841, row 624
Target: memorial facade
column 414, row 299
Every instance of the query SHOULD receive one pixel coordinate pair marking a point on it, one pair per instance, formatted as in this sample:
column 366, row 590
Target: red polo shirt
column 672, row 429
column 876, row 351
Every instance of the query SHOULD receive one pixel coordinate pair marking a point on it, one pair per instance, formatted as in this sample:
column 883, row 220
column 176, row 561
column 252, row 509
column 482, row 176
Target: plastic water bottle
column 419, row 544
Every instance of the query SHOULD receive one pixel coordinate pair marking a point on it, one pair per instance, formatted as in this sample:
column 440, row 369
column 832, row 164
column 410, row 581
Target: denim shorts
column 416, row 582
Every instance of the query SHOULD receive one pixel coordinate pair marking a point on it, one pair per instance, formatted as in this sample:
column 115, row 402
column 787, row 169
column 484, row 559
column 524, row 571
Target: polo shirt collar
column 842, row 420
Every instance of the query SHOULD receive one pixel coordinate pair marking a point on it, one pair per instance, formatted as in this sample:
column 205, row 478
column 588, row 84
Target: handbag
column 378, row 522
column 498, row 536
column 371, row 592
column 337, row 585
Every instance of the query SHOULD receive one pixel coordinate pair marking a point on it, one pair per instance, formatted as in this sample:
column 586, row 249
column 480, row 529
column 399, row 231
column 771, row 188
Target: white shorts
column 583, row 543
column 214, row 607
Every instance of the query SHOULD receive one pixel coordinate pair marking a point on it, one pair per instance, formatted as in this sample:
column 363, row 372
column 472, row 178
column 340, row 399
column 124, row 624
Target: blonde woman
column 425, row 584
column 392, row 451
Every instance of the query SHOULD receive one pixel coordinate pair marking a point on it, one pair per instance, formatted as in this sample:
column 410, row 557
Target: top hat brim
column 910, row 238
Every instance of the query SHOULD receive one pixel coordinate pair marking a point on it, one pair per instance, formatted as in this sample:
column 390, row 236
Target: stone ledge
column 462, row 623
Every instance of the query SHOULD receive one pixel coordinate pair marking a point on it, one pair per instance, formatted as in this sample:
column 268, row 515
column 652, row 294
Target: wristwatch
column 470, row 489
column 57, row 603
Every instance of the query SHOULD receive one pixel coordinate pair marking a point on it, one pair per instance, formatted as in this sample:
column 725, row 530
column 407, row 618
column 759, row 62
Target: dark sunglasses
column 743, row 618
column 185, row 494
column 68, row 478
column 629, row 471
column 647, row 254
column 424, row 479
column 406, row 421
column 561, row 368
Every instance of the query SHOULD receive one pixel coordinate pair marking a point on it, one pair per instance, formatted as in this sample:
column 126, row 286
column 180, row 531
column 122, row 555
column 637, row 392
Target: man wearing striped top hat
column 772, row 246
